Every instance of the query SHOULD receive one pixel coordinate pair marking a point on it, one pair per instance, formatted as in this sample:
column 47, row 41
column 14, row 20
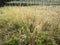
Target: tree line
column 2, row 2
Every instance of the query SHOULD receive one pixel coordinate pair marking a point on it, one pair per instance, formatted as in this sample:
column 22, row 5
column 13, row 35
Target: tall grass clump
column 32, row 28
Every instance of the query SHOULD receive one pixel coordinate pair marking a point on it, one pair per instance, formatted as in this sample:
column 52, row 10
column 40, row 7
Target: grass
column 31, row 25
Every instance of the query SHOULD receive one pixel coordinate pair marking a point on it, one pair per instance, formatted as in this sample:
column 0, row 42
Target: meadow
column 30, row 25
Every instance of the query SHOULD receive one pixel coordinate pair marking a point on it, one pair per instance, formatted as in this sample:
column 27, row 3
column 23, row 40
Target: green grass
column 31, row 25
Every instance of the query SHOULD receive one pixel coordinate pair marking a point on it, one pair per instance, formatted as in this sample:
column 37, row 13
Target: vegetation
column 34, row 25
column 28, row 2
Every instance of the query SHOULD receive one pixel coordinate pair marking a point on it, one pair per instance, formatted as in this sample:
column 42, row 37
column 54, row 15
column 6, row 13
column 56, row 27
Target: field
column 30, row 25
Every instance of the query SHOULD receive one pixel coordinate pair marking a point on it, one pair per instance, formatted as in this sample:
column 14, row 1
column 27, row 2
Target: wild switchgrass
column 31, row 25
